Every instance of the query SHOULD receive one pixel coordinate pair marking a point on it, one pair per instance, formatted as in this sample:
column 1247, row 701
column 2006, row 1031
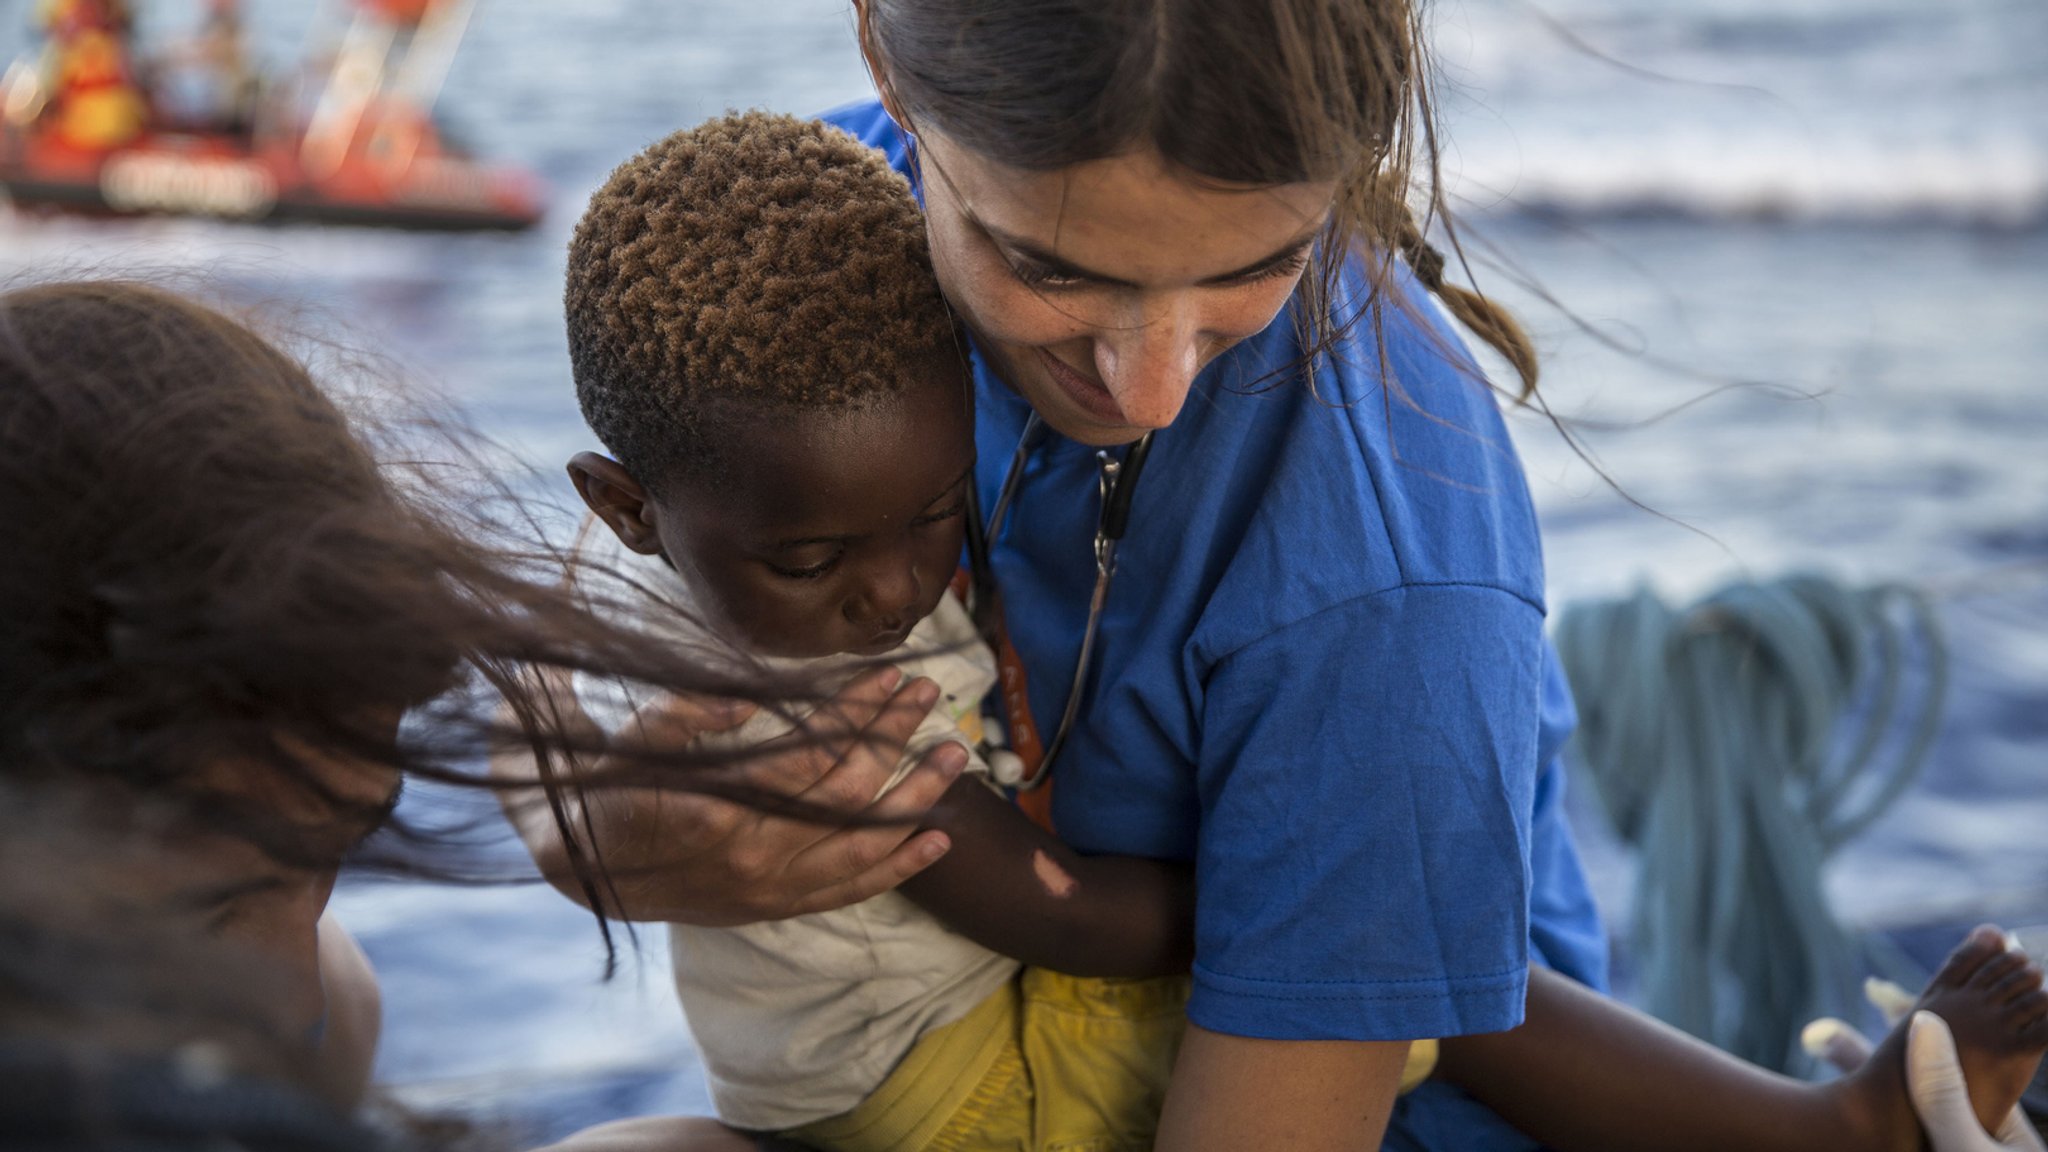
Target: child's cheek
column 803, row 620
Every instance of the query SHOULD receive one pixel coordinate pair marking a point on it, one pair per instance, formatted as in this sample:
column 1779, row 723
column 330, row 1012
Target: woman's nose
column 1150, row 366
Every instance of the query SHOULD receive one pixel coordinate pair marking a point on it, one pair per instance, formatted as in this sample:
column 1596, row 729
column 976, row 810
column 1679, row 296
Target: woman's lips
column 1092, row 397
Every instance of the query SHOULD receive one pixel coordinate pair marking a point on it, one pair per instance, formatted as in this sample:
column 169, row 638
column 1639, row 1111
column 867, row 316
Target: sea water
column 1798, row 251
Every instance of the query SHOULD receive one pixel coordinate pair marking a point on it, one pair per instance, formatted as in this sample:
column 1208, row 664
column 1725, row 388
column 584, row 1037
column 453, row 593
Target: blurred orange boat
column 80, row 130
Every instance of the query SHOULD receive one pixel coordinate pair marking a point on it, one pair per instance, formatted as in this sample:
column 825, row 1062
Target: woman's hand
column 681, row 857
column 1934, row 1075
column 1942, row 1099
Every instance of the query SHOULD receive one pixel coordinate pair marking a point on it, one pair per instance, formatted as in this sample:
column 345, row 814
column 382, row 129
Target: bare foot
column 1999, row 1014
column 1993, row 1000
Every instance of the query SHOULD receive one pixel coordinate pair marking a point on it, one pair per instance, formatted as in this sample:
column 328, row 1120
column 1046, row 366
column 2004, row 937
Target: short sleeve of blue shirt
column 1359, row 787
column 1321, row 678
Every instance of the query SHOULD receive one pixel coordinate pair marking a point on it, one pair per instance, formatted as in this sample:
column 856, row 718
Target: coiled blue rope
column 1736, row 744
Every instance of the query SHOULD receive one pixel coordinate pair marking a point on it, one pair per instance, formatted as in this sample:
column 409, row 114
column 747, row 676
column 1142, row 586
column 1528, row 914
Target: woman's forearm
column 1236, row 1092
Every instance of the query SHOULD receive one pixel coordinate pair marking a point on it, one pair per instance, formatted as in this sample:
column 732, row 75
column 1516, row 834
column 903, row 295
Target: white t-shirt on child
column 801, row 1019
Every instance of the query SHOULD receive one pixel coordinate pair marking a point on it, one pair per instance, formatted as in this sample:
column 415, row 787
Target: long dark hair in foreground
column 210, row 574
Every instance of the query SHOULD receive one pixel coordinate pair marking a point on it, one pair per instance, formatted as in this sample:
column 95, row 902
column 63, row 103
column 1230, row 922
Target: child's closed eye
column 800, row 571
column 957, row 508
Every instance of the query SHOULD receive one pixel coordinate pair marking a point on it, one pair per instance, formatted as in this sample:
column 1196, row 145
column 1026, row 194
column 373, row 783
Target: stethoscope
column 1117, row 483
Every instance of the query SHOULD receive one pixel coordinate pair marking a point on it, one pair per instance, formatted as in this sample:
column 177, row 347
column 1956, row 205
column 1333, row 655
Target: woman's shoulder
column 1381, row 462
column 867, row 122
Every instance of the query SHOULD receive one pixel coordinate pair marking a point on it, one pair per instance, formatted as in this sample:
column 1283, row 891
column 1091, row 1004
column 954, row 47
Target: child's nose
column 892, row 592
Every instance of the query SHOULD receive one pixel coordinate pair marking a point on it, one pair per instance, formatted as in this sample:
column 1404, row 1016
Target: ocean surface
column 1787, row 260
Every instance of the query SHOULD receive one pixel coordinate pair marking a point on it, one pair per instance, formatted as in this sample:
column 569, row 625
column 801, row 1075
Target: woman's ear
column 614, row 497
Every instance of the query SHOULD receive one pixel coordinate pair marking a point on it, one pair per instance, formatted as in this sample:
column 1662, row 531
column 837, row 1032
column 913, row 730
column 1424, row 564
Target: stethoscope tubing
column 1118, row 484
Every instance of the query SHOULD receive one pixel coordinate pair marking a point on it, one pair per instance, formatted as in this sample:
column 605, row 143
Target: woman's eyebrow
column 1293, row 250
column 1050, row 262
column 1064, row 267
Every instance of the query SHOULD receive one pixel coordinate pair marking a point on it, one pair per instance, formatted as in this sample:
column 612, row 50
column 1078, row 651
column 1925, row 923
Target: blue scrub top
column 1323, row 680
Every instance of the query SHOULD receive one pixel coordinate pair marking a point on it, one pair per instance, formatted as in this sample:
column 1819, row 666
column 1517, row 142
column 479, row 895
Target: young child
column 757, row 339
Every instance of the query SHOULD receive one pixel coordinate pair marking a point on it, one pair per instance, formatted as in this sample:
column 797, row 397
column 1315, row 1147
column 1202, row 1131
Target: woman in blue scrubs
column 1321, row 674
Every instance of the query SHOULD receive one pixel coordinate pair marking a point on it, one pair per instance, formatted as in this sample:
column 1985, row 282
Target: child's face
column 834, row 531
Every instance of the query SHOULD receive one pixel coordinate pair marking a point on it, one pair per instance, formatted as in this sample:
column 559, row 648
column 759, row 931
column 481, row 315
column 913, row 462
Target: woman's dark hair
column 209, row 570
column 1244, row 92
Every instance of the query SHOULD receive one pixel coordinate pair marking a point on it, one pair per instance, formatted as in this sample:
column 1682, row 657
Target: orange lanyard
column 1019, row 730
column 1117, row 484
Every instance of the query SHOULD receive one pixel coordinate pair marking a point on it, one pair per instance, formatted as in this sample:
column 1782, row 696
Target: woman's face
column 1100, row 290
column 235, row 891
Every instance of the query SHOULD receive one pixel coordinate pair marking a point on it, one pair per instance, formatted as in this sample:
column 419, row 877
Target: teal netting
column 1736, row 744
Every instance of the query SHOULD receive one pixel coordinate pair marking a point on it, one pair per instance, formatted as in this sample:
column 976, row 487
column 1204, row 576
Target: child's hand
column 683, row 857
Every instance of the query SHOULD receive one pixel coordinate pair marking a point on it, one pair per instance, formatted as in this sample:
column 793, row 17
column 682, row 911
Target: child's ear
column 617, row 499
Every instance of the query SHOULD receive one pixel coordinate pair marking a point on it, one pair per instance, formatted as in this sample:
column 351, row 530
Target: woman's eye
column 1292, row 266
column 1040, row 276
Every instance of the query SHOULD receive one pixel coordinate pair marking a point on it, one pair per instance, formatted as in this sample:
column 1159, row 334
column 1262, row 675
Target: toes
column 1993, row 973
column 2026, row 979
column 2029, row 1015
column 1985, row 943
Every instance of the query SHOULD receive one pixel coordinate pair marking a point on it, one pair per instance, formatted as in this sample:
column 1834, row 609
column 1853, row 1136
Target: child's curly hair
column 753, row 261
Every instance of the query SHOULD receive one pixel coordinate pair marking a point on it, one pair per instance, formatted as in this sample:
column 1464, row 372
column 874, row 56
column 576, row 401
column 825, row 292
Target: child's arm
column 1586, row 1073
column 1012, row 887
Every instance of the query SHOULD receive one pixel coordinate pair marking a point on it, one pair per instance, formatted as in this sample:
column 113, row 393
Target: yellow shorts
column 1050, row 1063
